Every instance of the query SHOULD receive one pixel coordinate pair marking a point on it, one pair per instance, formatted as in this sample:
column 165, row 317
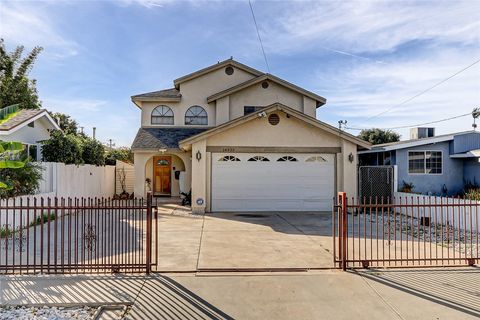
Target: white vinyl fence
column 64, row 181
column 461, row 212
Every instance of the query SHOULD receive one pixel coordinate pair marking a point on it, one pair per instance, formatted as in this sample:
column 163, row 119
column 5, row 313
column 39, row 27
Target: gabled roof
column 320, row 100
column 158, row 138
column 218, row 65
column 162, row 94
column 275, row 107
column 23, row 118
column 414, row 142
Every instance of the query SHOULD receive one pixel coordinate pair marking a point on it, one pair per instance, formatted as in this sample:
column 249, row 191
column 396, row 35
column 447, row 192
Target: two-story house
column 241, row 140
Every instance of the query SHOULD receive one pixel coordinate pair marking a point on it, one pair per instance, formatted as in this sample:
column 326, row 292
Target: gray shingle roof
column 167, row 93
column 157, row 138
column 23, row 115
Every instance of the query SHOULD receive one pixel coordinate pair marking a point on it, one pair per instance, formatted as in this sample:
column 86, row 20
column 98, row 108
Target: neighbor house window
column 425, row 162
column 162, row 115
column 196, row 115
column 32, row 152
column 251, row 109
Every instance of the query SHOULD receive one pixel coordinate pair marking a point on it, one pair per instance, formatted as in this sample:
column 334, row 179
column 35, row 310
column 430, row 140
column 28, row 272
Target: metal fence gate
column 405, row 231
column 73, row 235
column 375, row 181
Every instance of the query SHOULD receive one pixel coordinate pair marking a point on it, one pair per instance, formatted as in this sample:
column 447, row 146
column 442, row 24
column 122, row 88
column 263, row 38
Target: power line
column 418, row 124
column 424, row 91
column 258, row 34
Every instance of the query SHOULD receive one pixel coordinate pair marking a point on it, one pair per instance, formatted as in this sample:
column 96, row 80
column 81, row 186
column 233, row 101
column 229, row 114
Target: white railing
column 441, row 210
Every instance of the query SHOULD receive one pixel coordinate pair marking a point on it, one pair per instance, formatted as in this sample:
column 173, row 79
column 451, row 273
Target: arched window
column 287, row 159
column 228, row 158
column 258, row 158
column 162, row 115
column 316, row 159
column 196, row 115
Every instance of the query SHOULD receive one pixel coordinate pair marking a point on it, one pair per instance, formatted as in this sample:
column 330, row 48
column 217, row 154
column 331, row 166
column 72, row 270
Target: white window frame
column 424, row 163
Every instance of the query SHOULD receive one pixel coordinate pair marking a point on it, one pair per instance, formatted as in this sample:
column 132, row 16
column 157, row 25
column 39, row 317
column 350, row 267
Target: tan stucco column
column 199, row 175
column 140, row 160
column 348, row 170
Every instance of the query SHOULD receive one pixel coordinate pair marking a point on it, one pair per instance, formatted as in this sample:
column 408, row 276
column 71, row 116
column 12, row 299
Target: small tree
column 61, row 147
column 93, row 152
column 65, row 122
column 15, row 86
column 122, row 154
column 378, row 136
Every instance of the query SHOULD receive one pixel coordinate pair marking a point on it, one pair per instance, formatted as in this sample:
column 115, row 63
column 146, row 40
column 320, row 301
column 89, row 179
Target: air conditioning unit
column 421, row 133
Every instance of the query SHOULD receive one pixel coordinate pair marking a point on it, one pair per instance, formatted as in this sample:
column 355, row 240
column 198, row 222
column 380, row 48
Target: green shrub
column 61, row 147
column 93, row 152
column 45, row 216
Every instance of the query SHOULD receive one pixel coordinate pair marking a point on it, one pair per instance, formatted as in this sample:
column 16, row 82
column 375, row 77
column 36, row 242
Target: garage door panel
column 271, row 185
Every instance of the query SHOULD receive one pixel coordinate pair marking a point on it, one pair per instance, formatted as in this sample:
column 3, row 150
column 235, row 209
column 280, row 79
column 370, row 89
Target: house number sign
column 228, row 149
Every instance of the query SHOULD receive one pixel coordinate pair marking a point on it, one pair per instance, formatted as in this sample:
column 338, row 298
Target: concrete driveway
column 225, row 241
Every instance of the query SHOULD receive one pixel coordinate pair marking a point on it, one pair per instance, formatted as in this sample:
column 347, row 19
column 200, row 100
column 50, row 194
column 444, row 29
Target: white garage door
column 272, row 182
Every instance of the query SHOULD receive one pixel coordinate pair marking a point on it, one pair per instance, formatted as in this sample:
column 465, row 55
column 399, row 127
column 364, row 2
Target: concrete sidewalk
column 329, row 294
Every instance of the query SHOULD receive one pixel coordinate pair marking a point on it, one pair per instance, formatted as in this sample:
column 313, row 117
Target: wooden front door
column 162, row 175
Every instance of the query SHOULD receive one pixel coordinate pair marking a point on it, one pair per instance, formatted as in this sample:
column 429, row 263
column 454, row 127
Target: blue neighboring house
column 436, row 165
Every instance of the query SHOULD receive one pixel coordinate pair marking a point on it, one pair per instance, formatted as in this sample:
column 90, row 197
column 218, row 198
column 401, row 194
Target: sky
column 365, row 57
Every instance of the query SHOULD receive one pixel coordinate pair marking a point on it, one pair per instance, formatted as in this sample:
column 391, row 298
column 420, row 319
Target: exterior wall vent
column 273, row 119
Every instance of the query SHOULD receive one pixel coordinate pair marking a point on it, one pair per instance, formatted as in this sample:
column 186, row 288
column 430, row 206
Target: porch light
column 198, row 155
column 162, row 150
column 350, row 157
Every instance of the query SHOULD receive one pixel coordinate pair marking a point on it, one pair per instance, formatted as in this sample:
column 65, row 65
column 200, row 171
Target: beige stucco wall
column 144, row 169
column 255, row 95
column 290, row 132
column 195, row 92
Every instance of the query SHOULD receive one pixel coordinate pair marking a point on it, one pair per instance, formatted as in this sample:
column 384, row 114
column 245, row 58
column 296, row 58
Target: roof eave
column 319, row 99
column 184, row 144
column 216, row 66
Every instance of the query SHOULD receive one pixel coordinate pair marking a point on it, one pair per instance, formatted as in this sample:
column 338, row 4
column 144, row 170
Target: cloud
column 30, row 25
column 365, row 90
column 74, row 106
column 370, row 26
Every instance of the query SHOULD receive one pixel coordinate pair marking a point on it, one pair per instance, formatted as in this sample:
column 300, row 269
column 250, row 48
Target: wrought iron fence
column 73, row 235
column 405, row 231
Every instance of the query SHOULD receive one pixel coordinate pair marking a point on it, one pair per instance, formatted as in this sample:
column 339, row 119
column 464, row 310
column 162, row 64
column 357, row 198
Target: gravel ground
column 46, row 313
column 441, row 234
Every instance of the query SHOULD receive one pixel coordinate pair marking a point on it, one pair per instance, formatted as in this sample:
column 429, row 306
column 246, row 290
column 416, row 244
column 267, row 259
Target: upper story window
column 251, row 109
column 425, row 162
column 196, row 115
column 162, row 115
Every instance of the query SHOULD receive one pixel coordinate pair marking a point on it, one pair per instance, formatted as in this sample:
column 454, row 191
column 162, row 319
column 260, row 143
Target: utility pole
column 475, row 115
column 94, row 132
column 110, row 143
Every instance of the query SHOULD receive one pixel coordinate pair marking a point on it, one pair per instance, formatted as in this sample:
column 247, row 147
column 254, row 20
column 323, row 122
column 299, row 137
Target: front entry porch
column 166, row 174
